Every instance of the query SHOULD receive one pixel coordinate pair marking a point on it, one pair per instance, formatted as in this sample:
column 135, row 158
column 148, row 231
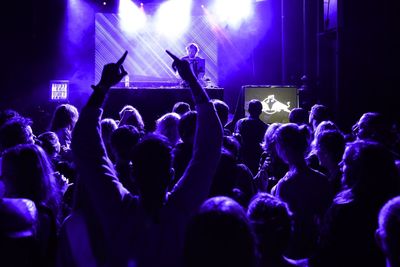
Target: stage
column 152, row 102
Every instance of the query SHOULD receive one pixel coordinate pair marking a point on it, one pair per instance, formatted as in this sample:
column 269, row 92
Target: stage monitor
column 277, row 101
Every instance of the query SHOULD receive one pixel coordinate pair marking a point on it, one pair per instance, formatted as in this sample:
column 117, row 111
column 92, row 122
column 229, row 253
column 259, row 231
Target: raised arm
column 95, row 171
column 193, row 188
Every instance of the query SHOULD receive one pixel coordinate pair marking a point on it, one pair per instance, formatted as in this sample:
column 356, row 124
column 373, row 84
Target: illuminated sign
column 59, row 90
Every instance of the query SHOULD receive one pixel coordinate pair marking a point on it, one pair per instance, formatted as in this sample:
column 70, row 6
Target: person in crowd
column 312, row 158
column 18, row 233
column 318, row 114
column 219, row 235
column 131, row 116
column 146, row 229
column 271, row 221
column 388, row 232
column 369, row 180
column 306, row 191
column 271, row 168
column 183, row 150
column 376, row 127
column 167, row 125
column 108, row 126
column 15, row 131
column 27, row 173
column 329, row 148
column 196, row 63
column 181, row 108
column 251, row 130
column 63, row 122
column 123, row 140
column 299, row 116
column 223, row 113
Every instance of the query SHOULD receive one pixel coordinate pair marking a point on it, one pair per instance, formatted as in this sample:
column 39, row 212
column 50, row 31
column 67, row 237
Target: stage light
column 173, row 17
column 104, row 3
column 232, row 13
column 132, row 17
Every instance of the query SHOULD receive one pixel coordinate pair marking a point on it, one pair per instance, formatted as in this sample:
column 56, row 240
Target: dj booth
column 151, row 102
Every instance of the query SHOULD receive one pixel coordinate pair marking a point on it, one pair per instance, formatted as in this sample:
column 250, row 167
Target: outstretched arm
column 193, row 188
column 95, row 171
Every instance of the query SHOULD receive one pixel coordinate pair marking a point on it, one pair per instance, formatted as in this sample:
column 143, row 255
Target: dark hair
column 219, row 235
column 370, row 173
column 49, row 142
column 255, row 107
column 27, row 173
column 298, row 116
column 152, row 163
column 181, row 108
column 123, row 139
column 187, row 126
column 293, row 138
column 332, row 141
column 222, row 110
column 14, row 132
column 272, row 222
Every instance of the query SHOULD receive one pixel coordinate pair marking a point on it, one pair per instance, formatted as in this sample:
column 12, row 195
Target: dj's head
column 192, row 50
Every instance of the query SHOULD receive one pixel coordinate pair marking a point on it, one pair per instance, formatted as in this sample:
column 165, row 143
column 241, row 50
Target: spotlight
column 104, row 3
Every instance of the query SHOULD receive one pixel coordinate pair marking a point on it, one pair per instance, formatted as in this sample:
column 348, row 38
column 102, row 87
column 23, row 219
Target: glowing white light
column 132, row 17
column 232, row 12
column 173, row 17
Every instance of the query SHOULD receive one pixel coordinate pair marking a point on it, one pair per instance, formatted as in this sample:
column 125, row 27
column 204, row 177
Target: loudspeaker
column 277, row 101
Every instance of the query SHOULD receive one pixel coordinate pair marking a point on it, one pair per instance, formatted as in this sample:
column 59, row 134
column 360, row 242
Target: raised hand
column 183, row 68
column 112, row 74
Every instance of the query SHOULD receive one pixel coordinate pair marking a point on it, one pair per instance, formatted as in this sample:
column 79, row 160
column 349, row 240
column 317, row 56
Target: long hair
column 27, row 173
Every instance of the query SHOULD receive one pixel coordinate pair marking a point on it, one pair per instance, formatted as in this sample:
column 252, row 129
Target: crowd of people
column 96, row 191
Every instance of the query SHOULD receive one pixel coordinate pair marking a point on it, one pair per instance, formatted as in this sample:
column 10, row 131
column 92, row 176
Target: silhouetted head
column 181, row 108
column 255, row 108
column 374, row 126
column 187, row 126
column 131, row 117
column 272, row 223
column 16, row 131
column 167, row 125
column 222, row 110
column 122, row 141
column 219, row 235
column 268, row 143
column 108, row 126
column 27, row 173
column 299, row 116
column 330, row 147
column 318, row 114
column 231, row 144
column 152, row 169
column 388, row 232
column 292, row 142
column 65, row 116
column 50, row 143
column 369, row 172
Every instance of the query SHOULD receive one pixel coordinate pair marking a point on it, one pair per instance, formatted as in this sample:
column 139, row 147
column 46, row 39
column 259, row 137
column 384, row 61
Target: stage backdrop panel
column 151, row 102
column 277, row 101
